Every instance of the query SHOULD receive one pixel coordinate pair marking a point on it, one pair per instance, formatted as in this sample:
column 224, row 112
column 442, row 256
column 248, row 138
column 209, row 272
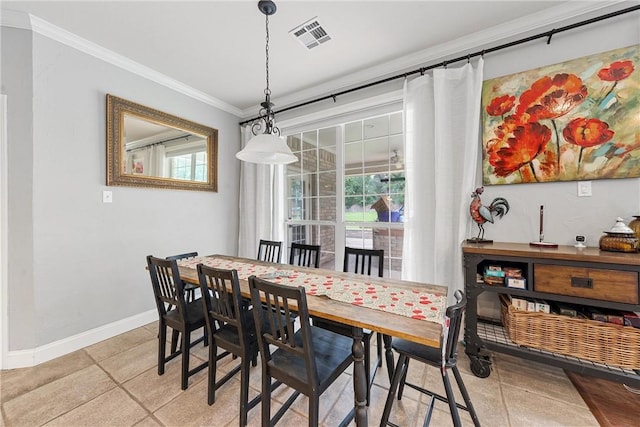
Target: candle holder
column 541, row 243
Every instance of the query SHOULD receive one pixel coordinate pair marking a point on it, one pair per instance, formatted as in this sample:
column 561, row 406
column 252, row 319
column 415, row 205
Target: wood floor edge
column 576, row 380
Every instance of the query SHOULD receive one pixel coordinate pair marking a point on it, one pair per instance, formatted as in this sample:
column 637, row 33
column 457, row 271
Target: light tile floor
column 115, row 383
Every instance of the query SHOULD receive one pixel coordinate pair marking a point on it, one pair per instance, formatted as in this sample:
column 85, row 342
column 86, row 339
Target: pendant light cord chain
column 267, row 91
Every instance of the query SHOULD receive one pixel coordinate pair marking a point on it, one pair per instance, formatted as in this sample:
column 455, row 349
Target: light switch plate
column 584, row 188
column 107, row 196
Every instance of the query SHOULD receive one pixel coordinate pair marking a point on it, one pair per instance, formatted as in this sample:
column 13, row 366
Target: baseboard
column 32, row 357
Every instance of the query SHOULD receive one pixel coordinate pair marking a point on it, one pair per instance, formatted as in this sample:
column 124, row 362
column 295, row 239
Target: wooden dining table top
column 396, row 325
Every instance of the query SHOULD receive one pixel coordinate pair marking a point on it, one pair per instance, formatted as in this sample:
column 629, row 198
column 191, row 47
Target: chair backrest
column 183, row 256
column 269, row 251
column 362, row 261
column 304, row 255
column 222, row 300
column 167, row 285
column 275, row 325
column 453, row 317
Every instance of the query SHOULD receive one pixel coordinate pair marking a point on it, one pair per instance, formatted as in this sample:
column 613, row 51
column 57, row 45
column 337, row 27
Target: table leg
column 359, row 379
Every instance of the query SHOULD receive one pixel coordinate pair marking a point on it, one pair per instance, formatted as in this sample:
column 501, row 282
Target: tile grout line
column 131, row 396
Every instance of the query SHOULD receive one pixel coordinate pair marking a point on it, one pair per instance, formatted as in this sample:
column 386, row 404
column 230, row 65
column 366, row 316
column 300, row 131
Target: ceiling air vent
column 310, row 34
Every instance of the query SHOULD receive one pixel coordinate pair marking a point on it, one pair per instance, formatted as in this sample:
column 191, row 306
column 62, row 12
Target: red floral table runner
column 415, row 303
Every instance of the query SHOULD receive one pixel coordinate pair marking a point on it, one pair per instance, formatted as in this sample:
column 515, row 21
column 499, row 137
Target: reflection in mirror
column 149, row 148
column 156, row 150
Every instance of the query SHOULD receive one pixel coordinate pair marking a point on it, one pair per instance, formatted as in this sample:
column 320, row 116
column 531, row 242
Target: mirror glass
column 149, row 148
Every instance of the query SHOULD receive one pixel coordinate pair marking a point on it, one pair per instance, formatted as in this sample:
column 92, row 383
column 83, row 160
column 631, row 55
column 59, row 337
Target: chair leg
column 367, row 366
column 266, row 398
column 379, row 342
column 455, row 415
column 404, row 378
column 184, row 343
column 162, row 344
column 397, row 375
column 244, row 391
column 213, row 364
column 175, row 334
column 465, row 396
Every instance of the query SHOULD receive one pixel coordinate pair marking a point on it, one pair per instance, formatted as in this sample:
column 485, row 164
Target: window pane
column 353, row 155
column 353, row 131
column 395, row 124
column 327, row 159
column 310, row 140
column 327, row 208
column 328, row 137
column 376, row 127
column 327, row 182
column 310, row 161
column 293, row 141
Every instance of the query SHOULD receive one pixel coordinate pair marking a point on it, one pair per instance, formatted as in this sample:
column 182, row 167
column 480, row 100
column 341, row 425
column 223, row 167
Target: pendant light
column 266, row 146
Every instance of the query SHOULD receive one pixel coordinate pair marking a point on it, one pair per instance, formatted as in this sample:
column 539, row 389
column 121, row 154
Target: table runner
column 415, row 303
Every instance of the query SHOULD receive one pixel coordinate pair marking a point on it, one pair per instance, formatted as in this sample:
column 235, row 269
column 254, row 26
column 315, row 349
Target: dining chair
column 445, row 358
column 308, row 359
column 367, row 262
column 304, row 255
column 230, row 326
column 189, row 288
column 269, row 251
column 182, row 317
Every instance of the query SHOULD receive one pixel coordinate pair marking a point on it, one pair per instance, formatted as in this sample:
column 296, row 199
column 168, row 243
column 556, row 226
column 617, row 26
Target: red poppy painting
column 572, row 121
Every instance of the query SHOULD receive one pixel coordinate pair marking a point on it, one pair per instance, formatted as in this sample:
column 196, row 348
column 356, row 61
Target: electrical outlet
column 107, row 196
column 584, row 188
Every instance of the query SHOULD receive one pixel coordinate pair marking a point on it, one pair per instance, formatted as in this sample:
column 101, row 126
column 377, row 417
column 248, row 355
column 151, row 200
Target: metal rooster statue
column 481, row 213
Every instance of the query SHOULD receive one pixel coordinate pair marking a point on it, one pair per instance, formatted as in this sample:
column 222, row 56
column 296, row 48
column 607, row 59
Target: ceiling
column 218, row 47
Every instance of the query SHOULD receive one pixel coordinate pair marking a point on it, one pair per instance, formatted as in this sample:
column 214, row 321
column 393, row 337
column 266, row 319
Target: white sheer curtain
column 442, row 122
column 261, row 204
column 157, row 158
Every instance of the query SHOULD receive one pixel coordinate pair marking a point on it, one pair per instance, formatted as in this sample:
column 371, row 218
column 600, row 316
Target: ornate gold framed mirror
column 149, row 148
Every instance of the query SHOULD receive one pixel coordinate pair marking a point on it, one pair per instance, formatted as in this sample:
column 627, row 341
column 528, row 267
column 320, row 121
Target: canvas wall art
column 572, row 121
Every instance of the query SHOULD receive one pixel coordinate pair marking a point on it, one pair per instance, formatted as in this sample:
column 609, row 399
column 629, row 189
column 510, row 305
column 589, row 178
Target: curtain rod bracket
column 334, row 98
column 551, row 33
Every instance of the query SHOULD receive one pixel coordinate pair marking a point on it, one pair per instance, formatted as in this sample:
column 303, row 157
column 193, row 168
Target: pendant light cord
column 267, row 91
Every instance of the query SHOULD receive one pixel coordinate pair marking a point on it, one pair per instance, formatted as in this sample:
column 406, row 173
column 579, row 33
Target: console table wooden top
column 568, row 253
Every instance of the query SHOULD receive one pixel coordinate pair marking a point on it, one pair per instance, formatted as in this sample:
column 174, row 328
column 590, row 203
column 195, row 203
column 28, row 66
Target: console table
column 566, row 274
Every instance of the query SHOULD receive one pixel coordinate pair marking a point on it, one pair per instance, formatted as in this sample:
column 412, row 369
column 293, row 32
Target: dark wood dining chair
column 308, row 359
column 368, row 262
column 445, row 358
column 182, row 317
column 189, row 288
column 304, row 255
column 269, row 251
column 229, row 326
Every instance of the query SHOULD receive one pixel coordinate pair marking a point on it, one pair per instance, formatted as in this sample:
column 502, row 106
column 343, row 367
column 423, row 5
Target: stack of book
column 493, row 275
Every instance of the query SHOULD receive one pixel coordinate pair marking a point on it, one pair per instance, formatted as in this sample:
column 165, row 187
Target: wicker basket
column 600, row 342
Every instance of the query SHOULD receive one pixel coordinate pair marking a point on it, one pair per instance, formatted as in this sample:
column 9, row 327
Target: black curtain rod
column 468, row 57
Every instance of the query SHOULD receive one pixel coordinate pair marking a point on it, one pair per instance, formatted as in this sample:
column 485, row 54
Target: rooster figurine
column 481, row 214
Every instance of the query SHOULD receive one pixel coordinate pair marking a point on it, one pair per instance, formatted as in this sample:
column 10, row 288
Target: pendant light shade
column 266, row 147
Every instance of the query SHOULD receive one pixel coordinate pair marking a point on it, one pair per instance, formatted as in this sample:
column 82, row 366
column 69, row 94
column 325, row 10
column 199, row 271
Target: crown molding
column 482, row 39
column 26, row 21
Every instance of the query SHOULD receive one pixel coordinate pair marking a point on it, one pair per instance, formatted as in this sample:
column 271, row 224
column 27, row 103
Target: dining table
column 412, row 311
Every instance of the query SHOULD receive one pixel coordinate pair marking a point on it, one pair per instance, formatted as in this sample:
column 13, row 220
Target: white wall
column 76, row 264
